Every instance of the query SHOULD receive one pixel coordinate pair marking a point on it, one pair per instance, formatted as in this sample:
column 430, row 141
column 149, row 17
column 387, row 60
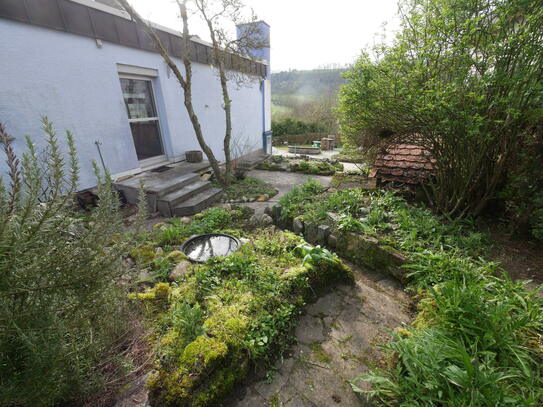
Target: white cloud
column 305, row 34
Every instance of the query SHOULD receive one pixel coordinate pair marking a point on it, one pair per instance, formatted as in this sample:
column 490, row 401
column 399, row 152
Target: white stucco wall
column 76, row 84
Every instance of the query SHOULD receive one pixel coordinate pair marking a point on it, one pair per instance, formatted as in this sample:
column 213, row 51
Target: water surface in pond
column 202, row 248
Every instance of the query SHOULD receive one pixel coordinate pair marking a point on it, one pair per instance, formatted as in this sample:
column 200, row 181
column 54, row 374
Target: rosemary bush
column 60, row 310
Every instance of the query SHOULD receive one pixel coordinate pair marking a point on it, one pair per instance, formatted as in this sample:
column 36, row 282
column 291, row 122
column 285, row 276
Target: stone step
column 166, row 203
column 166, row 186
column 197, row 203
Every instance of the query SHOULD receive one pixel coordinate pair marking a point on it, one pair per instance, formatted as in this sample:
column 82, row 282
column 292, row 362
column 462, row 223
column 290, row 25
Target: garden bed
column 216, row 320
column 481, row 332
column 248, row 189
column 301, row 165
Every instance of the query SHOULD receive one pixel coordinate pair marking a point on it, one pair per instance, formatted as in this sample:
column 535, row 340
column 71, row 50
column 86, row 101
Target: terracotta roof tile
column 405, row 163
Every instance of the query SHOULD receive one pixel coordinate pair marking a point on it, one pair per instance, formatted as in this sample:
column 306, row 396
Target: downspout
column 263, row 105
column 263, row 95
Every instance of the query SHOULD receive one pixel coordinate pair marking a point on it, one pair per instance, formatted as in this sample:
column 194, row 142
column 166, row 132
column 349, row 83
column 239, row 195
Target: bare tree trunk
column 227, row 102
column 224, row 180
column 184, row 81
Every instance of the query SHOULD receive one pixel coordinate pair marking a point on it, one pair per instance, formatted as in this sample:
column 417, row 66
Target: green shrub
column 476, row 342
column 463, row 80
column 61, row 311
column 317, row 167
column 211, row 220
column 297, row 198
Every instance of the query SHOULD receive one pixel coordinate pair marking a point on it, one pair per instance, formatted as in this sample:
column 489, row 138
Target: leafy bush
column 477, row 339
column 210, row 220
column 60, row 311
column 297, row 199
column 462, row 79
column 523, row 193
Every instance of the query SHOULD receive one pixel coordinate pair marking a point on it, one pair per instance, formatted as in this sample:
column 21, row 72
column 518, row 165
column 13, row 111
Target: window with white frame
column 142, row 116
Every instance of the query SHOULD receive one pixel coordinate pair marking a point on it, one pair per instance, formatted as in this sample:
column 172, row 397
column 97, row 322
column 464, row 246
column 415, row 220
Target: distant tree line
column 290, row 126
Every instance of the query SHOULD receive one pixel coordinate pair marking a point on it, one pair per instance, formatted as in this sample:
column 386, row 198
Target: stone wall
column 365, row 251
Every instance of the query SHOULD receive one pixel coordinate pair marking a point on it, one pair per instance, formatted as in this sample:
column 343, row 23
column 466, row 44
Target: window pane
column 138, row 98
column 146, row 139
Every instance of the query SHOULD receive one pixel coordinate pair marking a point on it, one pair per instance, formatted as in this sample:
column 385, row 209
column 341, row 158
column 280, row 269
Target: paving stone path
column 338, row 338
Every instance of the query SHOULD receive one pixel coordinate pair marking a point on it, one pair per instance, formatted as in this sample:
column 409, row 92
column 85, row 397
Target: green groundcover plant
column 60, row 310
column 231, row 314
column 477, row 339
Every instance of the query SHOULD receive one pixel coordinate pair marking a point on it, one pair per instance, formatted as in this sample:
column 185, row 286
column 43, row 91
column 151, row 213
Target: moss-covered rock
column 240, row 309
column 176, row 256
column 143, row 255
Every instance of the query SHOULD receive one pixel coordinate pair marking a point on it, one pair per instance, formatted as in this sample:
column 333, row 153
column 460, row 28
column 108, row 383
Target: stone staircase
column 178, row 191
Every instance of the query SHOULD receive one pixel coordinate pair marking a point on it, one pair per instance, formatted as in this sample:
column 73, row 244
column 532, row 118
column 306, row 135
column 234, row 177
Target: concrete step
column 167, row 202
column 166, row 186
column 198, row 202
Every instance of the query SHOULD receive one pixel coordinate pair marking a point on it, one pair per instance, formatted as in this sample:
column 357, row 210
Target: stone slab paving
column 338, row 338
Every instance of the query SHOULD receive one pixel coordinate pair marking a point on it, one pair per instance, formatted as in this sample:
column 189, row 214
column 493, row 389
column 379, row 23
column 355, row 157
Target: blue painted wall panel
column 76, row 84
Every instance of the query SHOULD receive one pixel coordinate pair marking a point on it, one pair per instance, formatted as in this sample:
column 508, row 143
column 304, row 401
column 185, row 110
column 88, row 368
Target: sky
column 305, row 34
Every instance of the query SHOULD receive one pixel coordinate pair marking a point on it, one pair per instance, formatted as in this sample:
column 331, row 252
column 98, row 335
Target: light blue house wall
column 75, row 82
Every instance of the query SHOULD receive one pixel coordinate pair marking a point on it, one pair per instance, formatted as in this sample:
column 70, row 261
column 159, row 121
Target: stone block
column 276, row 212
column 297, row 226
column 332, row 241
column 323, row 232
column 311, row 231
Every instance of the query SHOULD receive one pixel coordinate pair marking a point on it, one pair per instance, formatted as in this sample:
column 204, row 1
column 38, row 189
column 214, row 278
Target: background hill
column 308, row 96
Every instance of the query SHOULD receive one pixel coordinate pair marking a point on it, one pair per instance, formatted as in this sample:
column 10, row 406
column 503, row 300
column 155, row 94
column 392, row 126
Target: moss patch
column 319, row 353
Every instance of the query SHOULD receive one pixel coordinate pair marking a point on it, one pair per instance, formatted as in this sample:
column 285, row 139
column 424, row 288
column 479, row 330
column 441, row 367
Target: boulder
column 180, row 270
column 276, row 212
column 332, row 241
column 261, row 220
column 334, row 216
column 145, row 275
column 176, row 256
column 367, row 251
